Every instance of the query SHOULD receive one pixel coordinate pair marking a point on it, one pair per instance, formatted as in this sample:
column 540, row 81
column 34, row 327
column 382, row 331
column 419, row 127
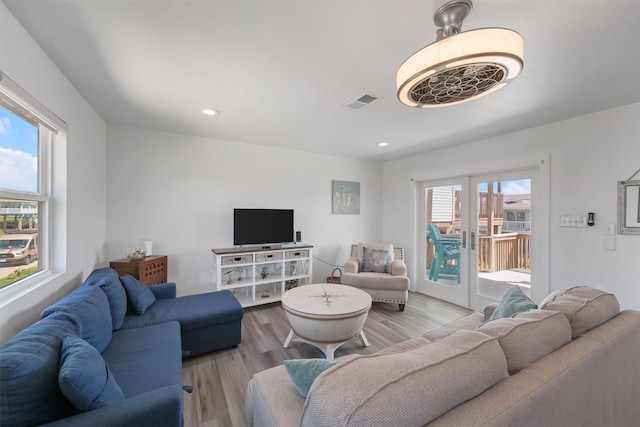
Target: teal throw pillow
column 84, row 377
column 374, row 260
column 303, row 372
column 139, row 296
column 512, row 302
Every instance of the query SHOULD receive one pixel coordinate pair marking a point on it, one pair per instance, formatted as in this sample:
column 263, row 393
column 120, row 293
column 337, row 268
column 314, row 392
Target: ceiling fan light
column 460, row 67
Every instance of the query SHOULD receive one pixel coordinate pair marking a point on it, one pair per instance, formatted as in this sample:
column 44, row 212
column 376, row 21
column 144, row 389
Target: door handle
column 473, row 240
column 464, row 240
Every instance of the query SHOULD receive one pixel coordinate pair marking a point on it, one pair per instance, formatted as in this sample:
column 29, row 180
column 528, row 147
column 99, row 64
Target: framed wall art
column 345, row 197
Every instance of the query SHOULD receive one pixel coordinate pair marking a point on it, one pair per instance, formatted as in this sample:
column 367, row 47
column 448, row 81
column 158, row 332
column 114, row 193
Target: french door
column 477, row 237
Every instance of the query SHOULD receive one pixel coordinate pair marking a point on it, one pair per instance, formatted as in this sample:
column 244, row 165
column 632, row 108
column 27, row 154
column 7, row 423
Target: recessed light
column 210, row 112
column 382, row 144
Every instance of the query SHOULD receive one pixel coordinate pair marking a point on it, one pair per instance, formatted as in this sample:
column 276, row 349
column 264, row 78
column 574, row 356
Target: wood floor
column 220, row 379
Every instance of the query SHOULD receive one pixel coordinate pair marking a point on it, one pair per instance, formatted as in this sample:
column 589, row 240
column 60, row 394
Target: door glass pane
column 503, row 237
column 443, row 233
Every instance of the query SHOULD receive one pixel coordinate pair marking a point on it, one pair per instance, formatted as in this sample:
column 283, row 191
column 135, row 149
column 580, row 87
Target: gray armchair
column 379, row 270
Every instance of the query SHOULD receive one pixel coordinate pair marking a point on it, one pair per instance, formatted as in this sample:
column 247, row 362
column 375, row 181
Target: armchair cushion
column 381, row 246
column 374, row 260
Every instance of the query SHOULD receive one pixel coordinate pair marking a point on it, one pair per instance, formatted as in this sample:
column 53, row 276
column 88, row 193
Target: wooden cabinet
column 261, row 275
column 148, row 270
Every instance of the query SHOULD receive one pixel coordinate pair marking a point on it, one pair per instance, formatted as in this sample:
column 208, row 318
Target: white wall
column 588, row 156
column 78, row 176
column 180, row 191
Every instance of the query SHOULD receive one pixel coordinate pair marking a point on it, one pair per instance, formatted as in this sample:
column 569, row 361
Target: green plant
column 16, row 275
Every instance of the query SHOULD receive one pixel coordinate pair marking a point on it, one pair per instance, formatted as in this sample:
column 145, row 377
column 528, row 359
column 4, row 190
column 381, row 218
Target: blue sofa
column 110, row 354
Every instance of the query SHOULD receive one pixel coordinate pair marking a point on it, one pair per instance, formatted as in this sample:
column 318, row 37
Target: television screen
column 262, row 226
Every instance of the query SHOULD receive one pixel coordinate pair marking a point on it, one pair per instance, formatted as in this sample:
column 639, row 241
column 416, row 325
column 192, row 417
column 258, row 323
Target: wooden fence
column 504, row 251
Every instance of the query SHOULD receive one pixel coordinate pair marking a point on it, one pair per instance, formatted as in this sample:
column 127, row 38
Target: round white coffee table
column 326, row 315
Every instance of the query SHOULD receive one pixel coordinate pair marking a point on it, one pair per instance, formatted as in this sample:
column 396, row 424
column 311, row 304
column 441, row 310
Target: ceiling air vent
column 362, row 101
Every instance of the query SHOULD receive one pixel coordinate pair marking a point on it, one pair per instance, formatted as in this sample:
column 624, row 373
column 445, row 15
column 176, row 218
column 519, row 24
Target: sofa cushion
column 528, row 336
column 303, row 372
column 29, row 364
column 585, row 307
column 469, row 322
column 407, row 388
column 192, row 311
column 91, row 305
column 379, row 246
column 139, row 296
column 512, row 302
column 84, row 378
column 157, row 347
column 108, row 280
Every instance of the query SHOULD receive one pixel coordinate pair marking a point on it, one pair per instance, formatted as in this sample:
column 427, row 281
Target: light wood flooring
column 220, row 379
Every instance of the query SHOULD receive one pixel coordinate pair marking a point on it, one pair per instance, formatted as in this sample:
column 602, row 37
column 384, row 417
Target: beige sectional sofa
column 574, row 361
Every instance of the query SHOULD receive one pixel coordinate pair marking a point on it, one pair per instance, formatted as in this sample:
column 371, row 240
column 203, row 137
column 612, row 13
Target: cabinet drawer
column 236, row 259
column 297, row 254
column 269, row 256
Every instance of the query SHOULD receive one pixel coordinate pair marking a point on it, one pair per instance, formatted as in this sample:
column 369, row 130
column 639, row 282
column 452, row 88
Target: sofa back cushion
column 109, row 281
column 29, row 364
column 407, row 388
column 528, row 336
column 585, row 307
column 91, row 306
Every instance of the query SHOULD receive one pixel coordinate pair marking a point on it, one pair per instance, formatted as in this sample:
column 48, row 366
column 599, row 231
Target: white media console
column 259, row 275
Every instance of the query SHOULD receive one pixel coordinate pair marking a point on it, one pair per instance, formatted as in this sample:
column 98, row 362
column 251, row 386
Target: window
column 27, row 130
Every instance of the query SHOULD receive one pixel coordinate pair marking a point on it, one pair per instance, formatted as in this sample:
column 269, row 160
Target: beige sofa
column 575, row 361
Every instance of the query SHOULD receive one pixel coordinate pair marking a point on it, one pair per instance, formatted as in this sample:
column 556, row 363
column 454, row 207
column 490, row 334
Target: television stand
column 260, row 275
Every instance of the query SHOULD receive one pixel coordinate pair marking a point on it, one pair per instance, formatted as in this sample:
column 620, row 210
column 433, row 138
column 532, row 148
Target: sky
column 18, row 153
column 520, row 186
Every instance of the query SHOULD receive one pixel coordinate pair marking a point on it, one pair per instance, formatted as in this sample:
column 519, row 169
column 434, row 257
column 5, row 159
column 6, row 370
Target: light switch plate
column 609, row 243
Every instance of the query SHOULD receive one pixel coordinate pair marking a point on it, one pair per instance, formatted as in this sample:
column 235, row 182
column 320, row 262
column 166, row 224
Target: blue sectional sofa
column 110, row 354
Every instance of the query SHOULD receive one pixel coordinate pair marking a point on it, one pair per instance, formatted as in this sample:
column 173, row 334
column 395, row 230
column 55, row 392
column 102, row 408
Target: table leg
column 288, row 340
column 365, row 342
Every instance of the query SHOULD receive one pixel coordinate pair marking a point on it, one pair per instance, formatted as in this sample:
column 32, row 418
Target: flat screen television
column 262, row 226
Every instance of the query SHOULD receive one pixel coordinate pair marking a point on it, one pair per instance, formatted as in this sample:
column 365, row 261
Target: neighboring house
column 517, row 213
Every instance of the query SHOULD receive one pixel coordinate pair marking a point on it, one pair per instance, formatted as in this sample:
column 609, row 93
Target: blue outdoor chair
column 446, row 256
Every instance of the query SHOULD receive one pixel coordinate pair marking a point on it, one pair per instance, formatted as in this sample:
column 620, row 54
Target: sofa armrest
column 163, row 290
column 489, row 309
column 160, row 407
column 351, row 266
column 398, row 268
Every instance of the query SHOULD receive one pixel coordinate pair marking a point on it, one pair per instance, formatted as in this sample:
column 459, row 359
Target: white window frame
column 50, row 129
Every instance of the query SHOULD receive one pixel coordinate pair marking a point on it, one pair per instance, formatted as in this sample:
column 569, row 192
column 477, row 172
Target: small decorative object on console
column 136, row 251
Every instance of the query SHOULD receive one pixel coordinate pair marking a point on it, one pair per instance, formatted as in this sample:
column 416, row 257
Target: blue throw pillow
column 374, row 260
column 303, row 372
column 512, row 302
column 84, row 377
column 91, row 306
column 139, row 296
column 109, row 281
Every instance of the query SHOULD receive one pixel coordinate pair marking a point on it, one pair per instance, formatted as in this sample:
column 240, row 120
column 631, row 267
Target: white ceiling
column 281, row 72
